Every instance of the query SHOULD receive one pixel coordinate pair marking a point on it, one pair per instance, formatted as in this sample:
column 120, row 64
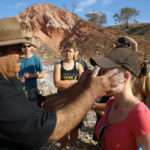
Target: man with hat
column 23, row 125
column 30, row 69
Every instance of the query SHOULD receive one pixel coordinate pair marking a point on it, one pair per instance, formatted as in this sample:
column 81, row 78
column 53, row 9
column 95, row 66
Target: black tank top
column 72, row 74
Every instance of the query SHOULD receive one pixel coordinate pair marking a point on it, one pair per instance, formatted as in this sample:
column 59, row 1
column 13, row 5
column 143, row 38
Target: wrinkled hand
column 85, row 79
column 97, row 85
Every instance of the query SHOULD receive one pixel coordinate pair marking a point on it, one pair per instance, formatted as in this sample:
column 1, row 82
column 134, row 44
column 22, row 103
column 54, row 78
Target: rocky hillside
column 55, row 27
column 49, row 23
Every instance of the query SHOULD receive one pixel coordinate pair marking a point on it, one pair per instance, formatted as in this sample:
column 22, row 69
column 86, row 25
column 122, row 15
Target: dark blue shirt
column 23, row 125
column 30, row 65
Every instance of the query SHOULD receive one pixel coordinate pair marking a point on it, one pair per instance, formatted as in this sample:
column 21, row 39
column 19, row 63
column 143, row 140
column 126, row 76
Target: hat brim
column 16, row 41
column 103, row 62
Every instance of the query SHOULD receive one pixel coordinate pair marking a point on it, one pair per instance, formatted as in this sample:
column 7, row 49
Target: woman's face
column 117, row 80
column 69, row 53
column 27, row 48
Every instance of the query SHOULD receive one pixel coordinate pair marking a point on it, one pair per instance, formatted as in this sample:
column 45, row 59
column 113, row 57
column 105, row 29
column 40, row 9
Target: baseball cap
column 13, row 32
column 119, row 57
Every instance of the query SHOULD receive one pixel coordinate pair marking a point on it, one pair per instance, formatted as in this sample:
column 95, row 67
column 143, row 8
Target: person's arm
column 61, row 84
column 80, row 97
column 133, row 43
column 37, row 74
column 28, row 75
column 20, row 74
column 41, row 74
column 144, row 141
column 55, row 101
column 99, row 106
column 80, row 69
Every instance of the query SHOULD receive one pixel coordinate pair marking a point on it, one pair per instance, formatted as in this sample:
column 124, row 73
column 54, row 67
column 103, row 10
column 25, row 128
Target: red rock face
column 49, row 23
column 55, row 27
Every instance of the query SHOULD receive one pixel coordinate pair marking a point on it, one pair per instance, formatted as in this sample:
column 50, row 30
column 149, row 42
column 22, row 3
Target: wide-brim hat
column 12, row 32
column 119, row 57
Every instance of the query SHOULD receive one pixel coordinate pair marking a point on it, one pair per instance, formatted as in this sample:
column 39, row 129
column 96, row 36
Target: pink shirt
column 122, row 135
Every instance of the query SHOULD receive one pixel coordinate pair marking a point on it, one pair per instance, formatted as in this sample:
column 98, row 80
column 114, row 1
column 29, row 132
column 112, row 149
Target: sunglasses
column 26, row 46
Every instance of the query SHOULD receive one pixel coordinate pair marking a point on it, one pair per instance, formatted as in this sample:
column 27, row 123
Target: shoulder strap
column 61, row 65
column 75, row 65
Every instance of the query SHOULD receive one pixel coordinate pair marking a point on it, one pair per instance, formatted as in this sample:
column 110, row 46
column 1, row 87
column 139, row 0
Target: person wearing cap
column 125, row 124
column 24, row 125
column 30, row 70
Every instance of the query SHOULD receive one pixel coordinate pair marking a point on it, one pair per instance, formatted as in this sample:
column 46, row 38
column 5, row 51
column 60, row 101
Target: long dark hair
column 122, row 42
column 144, row 69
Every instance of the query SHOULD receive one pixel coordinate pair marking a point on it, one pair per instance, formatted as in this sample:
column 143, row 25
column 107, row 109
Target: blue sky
column 109, row 7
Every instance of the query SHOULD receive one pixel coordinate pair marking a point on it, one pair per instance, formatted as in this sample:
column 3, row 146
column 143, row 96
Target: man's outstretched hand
column 97, row 85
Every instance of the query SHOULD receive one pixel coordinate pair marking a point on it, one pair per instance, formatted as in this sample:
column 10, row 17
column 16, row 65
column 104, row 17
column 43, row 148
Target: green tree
column 126, row 15
column 97, row 18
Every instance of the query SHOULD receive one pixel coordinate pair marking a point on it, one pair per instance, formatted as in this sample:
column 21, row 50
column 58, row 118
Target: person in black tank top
column 68, row 71
column 66, row 74
column 72, row 74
